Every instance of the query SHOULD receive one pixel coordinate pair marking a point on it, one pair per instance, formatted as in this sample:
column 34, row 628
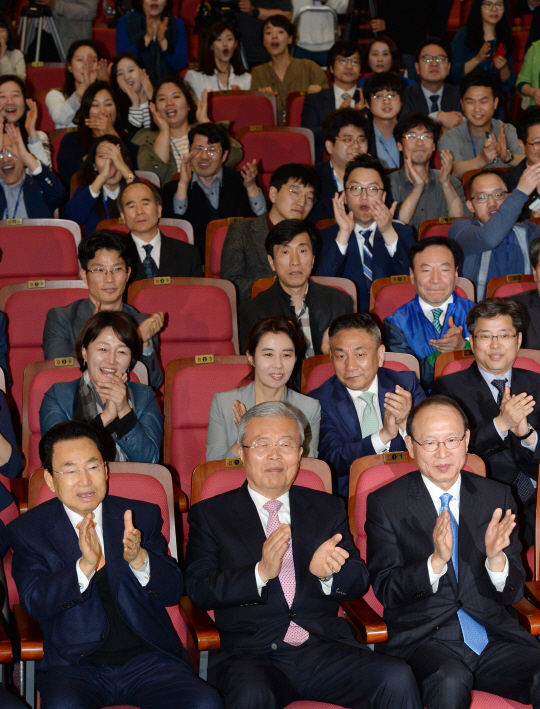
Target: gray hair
column 269, row 409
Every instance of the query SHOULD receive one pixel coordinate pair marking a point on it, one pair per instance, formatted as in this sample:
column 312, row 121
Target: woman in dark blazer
column 127, row 413
column 273, row 349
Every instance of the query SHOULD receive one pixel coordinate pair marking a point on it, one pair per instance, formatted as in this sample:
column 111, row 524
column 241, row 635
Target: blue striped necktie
column 474, row 633
column 368, row 256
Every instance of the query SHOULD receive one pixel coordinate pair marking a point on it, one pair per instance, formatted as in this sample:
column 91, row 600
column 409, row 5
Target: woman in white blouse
column 221, row 65
column 84, row 65
column 11, row 60
column 16, row 107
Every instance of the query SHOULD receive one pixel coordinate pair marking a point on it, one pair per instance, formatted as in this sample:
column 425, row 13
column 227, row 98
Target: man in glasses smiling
column 495, row 243
column 502, row 402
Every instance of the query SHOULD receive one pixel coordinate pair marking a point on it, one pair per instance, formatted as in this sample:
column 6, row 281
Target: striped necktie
column 368, row 256
column 437, row 319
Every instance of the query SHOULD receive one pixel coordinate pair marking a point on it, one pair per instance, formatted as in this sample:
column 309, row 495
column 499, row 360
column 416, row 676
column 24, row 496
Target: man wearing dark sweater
column 206, row 189
column 290, row 246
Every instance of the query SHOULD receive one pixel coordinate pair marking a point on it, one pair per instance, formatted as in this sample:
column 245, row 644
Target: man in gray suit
column 293, row 191
column 104, row 257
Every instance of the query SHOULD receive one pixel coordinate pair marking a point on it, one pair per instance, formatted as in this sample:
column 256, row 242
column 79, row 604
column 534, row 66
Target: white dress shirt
column 284, row 516
column 358, row 231
column 338, row 96
column 488, row 378
column 498, row 578
column 156, row 243
column 360, row 405
column 142, row 574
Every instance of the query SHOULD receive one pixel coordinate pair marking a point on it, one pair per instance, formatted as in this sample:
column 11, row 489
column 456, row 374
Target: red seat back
column 25, row 334
column 241, row 111
column 215, row 253
column 105, row 38
column 30, row 253
column 44, row 78
column 199, row 319
column 294, row 115
column 509, row 289
column 437, row 230
column 174, row 232
column 225, row 480
column 460, row 364
column 389, row 299
column 322, row 373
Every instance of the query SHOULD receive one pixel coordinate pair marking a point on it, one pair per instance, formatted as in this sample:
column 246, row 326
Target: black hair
column 383, row 81
column 5, row 22
column 103, row 240
column 493, row 308
column 85, row 136
column 280, row 21
column 356, row 321
column 342, row 48
column 474, row 38
column 413, row 120
column 302, row 173
column 339, row 118
column 153, row 189
column 285, row 231
column 123, row 326
column 443, row 44
column 534, row 252
column 185, row 89
column 275, row 325
column 528, row 119
column 392, row 46
column 419, row 246
column 137, row 5
column 207, row 62
column 69, row 79
column 435, row 400
column 68, row 431
column 213, row 132
column 368, row 162
column 488, row 171
column 478, row 78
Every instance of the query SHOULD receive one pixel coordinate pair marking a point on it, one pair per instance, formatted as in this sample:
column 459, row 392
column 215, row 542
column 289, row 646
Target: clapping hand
column 239, row 409
column 89, row 545
column 114, row 393
column 273, row 552
column 134, row 554
column 150, row 327
column 328, row 558
column 498, row 538
column 451, row 340
column 344, row 220
column 442, row 542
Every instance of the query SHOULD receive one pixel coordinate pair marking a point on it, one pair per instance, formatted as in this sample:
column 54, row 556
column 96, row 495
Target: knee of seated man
column 452, row 674
column 398, row 674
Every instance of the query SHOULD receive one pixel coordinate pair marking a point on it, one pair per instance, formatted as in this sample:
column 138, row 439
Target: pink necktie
column 295, row 634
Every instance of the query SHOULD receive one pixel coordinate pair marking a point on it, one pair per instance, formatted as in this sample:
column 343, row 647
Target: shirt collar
column 219, row 177
column 427, row 93
column 139, row 243
column 75, row 518
column 488, row 377
column 358, row 229
column 435, row 491
column 111, row 194
column 260, row 500
column 303, row 299
column 427, row 308
column 373, row 389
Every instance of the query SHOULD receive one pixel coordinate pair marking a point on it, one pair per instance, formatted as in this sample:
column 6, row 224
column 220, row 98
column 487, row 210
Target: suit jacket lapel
column 62, row 535
column 247, row 523
column 468, row 512
column 166, row 257
column 534, row 313
column 85, row 311
column 346, row 409
column 303, row 531
column 481, row 393
column 113, row 533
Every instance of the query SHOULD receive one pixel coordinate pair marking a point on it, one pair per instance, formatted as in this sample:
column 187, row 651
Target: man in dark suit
column 344, row 64
column 444, row 559
column 266, row 558
column 293, row 191
column 364, row 244
column 502, row 402
column 523, row 7
column 206, row 189
column 530, row 302
column 345, row 134
column 105, row 261
column 99, row 595
column 364, row 406
column 432, row 94
column 152, row 253
column 528, row 133
column 291, row 246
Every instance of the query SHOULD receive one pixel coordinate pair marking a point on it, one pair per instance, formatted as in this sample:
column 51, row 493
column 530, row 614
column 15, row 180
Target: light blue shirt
column 387, row 150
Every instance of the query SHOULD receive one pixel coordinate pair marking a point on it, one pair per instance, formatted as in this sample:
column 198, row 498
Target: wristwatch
column 509, row 152
column 325, row 579
column 521, row 438
column 255, row 12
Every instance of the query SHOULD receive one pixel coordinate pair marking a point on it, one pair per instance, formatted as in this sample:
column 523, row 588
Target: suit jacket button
column 101, row 636
column 460, row 603
column 437, row 627
column 273, row 646
column 292, row 615
column 82, row 654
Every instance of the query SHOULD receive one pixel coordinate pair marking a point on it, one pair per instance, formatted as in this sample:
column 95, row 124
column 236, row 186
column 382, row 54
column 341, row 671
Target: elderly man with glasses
column 502, row 403
column 444, row 558
column 207, row 189
column 273, row 560
column 365, row 243
column 495, row 242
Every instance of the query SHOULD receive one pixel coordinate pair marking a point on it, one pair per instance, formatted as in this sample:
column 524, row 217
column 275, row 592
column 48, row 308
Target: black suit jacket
column 225, row 543
column 399, row 524
column 522, row 8
column 415, row 101
column 233, row 202
column 503, row 457
column 324, row 302
column 530, row 303
column 73, row 625
column 177, row 260
column 323, row 208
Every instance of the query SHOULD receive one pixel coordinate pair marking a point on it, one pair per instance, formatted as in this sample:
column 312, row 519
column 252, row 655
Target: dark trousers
column 8, row 701
column 150, row 681
column 319, row 671
column 447, row 672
